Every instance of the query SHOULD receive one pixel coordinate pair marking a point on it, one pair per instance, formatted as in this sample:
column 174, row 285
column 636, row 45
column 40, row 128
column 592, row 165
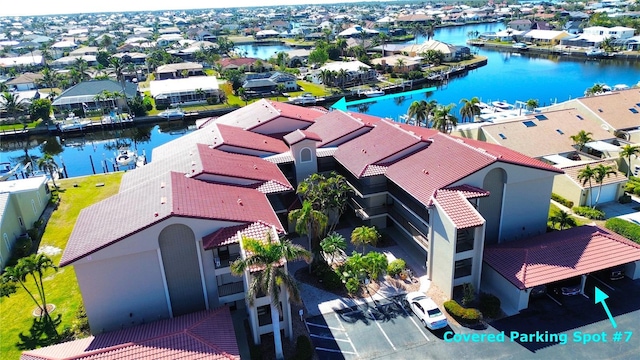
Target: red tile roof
column 335, row 127
column 171, row 194
column 201, row 335
column 255, row 117
column 560, row 255
column 376, row 146
column 236, row 137
column 237, row 61
column 458, row 208
column 430, row 169
column 233, row 234
column 299, row 135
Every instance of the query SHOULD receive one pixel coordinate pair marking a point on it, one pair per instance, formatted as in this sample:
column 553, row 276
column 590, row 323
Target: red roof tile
column 299, row 135
column 560, row 255
column 171, row 194
column 233, row 234
column 458, row 209
column 376, row 146
column 268, row 117
column 335, row 127
column 224, row 62
column 236, row 137
column 201, row 335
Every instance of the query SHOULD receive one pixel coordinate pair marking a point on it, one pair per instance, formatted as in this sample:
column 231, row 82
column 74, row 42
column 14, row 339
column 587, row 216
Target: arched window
column 6, row 241
column 305, row 155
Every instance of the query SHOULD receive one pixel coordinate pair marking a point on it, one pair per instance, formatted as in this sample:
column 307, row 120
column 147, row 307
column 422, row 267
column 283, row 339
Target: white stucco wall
column 512, row 299
column 442, row 251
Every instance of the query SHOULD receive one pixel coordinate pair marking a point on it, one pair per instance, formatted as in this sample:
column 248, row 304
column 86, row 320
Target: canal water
column 508, row 76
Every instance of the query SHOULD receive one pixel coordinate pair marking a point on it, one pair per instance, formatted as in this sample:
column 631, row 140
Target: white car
column 426, row 310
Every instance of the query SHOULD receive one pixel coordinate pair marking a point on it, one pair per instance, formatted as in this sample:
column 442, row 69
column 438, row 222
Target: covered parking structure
column 513, row 269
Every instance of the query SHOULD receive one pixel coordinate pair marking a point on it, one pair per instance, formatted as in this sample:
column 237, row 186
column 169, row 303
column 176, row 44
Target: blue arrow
column 342, row 104
column 600, row 298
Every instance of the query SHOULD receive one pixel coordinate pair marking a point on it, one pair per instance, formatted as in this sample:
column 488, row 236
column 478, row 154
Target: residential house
column 545, row 37
column 450, row 52
column 22, row 202
column 84, row 50
column 25, row 82
column 400, row 63
column 356, row 72
column 262, row 83
column 179, row 70
column 616, row 32
column 248, row 64
column 190, row 90
column 520, row 24
column 83, row 95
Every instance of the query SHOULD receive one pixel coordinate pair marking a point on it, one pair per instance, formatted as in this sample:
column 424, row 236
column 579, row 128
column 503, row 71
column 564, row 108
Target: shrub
column 622, row 227
column 352, row 285
column 395, row 267
column 624, row 199
column 148, row 104
column 462, row 314
column 326, row 275
column 559, row 199
column 489, row 305
column 304, row 350
column 23, row 246
column 593, row 214
column 469, row 294
column 212, row 100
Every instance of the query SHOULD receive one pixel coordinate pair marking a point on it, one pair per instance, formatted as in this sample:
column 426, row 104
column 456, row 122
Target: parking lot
column 387, row 330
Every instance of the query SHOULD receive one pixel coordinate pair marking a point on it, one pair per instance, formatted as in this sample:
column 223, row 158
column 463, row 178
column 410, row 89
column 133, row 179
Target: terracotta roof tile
column 200, row 335
column 560, row 255
column 469, row 191
column 299, row 135
column 233, row 234
column 255, row 116
column 458, row 209
column 381, row 144
column 338, row 126
column 171, row 194
column 236, row 137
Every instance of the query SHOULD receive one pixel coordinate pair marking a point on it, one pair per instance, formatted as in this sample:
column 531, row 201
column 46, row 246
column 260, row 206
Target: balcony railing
column 230, row 289
column 222, row 263
column 366, row 212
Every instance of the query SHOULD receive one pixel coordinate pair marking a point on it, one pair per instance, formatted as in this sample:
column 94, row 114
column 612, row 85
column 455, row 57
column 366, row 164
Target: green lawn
column 11, row 127
column 579, row 220
column 61, row 287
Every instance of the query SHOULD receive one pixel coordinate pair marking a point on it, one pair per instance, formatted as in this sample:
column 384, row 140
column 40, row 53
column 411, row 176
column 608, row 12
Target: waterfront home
column 25, row 82
column 574, row 189
column 19, row 61
column 399, row 63
column 267, row 83
column 520, row 24
column 450, row 52
column 22, row 202
column 248, row 64
column 185, row 91
column 545, row 37
column 356, row 72
column 178, row 70
column 84, row 95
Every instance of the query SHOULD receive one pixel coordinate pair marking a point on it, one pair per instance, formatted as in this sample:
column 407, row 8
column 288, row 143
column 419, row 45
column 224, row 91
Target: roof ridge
column 615, row 237
column 479, row 150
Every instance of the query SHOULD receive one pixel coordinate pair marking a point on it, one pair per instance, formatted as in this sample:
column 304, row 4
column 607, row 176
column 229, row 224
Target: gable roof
column 157, row 199
column 455, row 204
column 236, row 137
column 572, row 173
column 299, row 135
column 374, row 147
column 200, row 335
column 264, row 111
column 560, row 255
column 614, row 108
column 233, row 234
column 337, row 124
column 87, row 90
column 26, row 78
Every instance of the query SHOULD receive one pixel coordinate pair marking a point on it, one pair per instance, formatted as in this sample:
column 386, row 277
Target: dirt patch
column 37, row 312
column 49, row 250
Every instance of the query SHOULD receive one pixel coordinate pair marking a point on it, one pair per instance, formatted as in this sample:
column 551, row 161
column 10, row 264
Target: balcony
column 230, row 289
column 464, row 241
column 366, row 213
column 225, row 261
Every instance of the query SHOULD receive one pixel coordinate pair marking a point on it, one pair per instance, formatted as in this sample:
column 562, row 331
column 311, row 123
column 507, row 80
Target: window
column 264, row 315
column 541, row 117
column 6, row 241
column 502, row 136
column 529, row 123
column 579, row 117
column 633, row 110
column 463, row 268
column 560, row 131
column 305, row 155
column 21, row 222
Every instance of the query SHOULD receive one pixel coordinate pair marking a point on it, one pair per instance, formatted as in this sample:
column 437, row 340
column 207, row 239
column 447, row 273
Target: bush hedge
column 489, row 305
column 559, row 199
column 395, row 267
column 622, row 227
column 304, row 350
column 462, row 314
column 591, row 213
column 327, row 276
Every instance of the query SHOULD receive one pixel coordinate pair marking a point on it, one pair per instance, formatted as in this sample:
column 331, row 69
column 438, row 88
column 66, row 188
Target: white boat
column 172, row 114
column 520, row 46
column 594, row 52
column 6, row 171
column 141, row 160
column 306, row 98
column 502, row 105
column 73, row 124
column 618, row 87
column 374, row 93
column 125, row 156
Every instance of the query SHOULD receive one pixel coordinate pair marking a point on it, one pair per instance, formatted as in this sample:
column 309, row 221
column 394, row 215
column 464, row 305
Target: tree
column 283, row 60
column 318, row 56
column 12, row 104
column 469, row 109
column 82, row 67
column 342, row 45
column 273, row 277
column 596, row 89
column 627, row 151
column 35, row 266
column 48, row 164
column 383, row 38
column 420, row 111
column 40, row 109
column 280, row 88
column 327, row 77
column 328, row 194
column 601, row 173
column 586, row 175
column 309, row 222
column 581, row 138
column 242, row 93
column 563, row 219
column 364, row 235
column 50, row 78
column 443, row 120
column 400, row 64
column 375, row 264
column 532, row 104
column 118, row 67
column 333, row 244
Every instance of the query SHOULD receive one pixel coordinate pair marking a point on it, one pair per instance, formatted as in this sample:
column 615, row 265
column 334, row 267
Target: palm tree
column 532, row 104
column 420, row 111
column 430, row 31
column 581, row 138
column 596, row 89
column 364, row 235
column 342, row 76
column 48, row 164
column 383, row 38
column 602, row 172
column 470, row 108
column 200, row 94
column 273, row 276
column 82, row 67
column 333, row 244
column 118, row 68
column 627, row 151
column 242, row 93
column 327, row 77
column 400, row 64
column 563, row 219
column 417, row 29
column 49, row 77
column 12, row 104
column 280, row 88
column 375, row 264
column 310, row 222
column 34, row 265
column 342, row 45
column 586, row 175
column 443, row 120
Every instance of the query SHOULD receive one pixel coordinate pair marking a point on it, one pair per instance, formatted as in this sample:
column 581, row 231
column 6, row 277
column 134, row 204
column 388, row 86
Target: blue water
column 507, row 77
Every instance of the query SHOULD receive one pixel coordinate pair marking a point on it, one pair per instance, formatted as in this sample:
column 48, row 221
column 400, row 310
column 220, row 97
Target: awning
column 602, row 146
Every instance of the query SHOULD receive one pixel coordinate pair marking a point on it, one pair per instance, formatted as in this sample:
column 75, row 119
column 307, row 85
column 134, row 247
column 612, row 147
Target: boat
column 125, row 156
column 172, row 114
column 141, row 160
column 618, row 87
column 520, row 46
column 502, row 105
column 6, row 171
column 374, row 92
column 595, row 52
column 305, row 98
column 73, row 123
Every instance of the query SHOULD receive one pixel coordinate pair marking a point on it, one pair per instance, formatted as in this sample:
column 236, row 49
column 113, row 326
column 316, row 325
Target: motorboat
column 619, row 87
column 520, row 46
column 305, row 98
column 73, row 123
column 502, row 105
column 141, row 160
column 374, row 92
column 172, row 114
column 125, row 157
column 595, row 52
column 6, row 171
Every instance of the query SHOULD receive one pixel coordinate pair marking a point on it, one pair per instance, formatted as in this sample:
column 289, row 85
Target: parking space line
column 328, row 338
column 414, row 322
column 383, row 333
column 336, row 351
column 339, row 322
column 554, row 300
column 602, row 282
column 325, row 327
column 351, row 342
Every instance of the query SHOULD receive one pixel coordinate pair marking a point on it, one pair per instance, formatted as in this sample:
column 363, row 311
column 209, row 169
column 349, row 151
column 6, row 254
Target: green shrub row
column 591, row 213
column 559, row 199
column 396, row 266
column 330, row 279
column 304, row 350
column 632, row 187
column 625, row 228
column 489, row 305
column 462, row 314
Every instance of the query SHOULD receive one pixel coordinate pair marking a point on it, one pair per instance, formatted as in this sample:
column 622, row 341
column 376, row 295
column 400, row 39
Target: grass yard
column 579, row 220
column 61, row 287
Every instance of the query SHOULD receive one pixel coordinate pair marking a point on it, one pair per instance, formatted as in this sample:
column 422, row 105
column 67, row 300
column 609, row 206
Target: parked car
column 426, row 310
column 568, row 287
column 538, row 291
column 615, row 273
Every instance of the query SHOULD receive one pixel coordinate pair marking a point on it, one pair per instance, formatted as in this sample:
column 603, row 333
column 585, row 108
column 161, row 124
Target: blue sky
column 45, row 7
